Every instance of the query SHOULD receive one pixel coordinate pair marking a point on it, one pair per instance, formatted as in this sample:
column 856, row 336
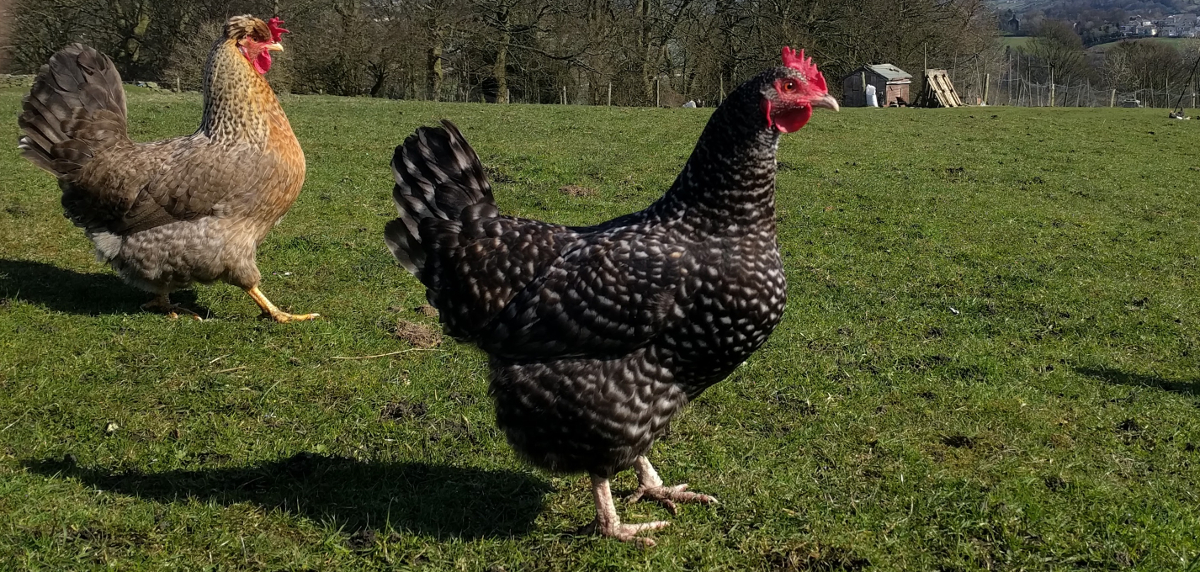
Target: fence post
column 610, row 94
column 1008, row 71
column 1051, row 86
column 657, row 93
column 987, row 83
column 1112, row 100
column 1021, row 85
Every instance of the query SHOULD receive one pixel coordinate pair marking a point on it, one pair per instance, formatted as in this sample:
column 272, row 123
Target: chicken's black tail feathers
column 75, row 109
column 439, row 179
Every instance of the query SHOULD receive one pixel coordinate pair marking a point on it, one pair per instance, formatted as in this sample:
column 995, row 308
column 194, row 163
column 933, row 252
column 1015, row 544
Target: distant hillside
column 1100, row 22
column 1132, row 6
column 1179, row 43
column 1020, row 6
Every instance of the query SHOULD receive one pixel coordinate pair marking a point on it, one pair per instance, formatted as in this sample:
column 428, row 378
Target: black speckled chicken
column 190, row 209
column 599, row 335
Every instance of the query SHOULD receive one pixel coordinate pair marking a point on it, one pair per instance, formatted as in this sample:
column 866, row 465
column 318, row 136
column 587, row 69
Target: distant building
column 1180, row 20
column 1009, row 24
column 891, row 84
column 1173, row 26
column 1178, row 26
column 1139, row 26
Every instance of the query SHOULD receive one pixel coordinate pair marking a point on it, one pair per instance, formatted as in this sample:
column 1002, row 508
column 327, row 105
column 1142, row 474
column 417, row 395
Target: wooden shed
column 891, row 85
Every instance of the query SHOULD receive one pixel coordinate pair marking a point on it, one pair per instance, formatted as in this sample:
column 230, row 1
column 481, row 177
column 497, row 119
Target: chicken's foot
column 270, row 310
column 607, row 522
column 162, row 304
column 650, row 487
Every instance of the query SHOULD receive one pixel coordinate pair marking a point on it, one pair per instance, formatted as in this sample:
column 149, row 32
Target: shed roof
column 888, row 71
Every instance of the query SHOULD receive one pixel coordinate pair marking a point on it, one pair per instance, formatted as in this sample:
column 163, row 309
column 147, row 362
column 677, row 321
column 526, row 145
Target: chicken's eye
column 789, row 86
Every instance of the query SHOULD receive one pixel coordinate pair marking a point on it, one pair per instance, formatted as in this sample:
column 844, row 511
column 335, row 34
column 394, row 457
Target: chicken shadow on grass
column 89, row 294
column 1118, row 377
column 421, row 498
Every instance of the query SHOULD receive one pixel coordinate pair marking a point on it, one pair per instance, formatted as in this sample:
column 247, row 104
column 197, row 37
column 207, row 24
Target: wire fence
column 1022, row 93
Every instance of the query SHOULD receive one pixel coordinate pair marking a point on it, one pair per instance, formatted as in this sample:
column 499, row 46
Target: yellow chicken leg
column 274, row 312
column 162, row 304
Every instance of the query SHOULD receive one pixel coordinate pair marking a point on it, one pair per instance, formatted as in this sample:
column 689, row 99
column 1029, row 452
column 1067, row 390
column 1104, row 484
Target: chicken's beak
column 276, row 47
column 828, row 102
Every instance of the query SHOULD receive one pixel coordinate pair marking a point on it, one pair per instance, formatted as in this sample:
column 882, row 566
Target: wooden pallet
column 938, row 91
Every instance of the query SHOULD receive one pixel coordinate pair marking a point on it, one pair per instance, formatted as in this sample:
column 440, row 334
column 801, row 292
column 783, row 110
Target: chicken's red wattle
column 262, row 63
column 789, row 120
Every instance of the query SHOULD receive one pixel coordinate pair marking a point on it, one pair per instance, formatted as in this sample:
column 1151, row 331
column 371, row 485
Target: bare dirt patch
column 419, row 335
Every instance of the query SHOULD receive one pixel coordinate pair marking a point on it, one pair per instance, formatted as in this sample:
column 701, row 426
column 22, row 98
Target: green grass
column 989, row 361
column 1016, row 42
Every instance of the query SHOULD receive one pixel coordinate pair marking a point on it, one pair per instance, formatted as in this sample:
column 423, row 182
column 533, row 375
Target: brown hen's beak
column 828, row 102
column 276, row 47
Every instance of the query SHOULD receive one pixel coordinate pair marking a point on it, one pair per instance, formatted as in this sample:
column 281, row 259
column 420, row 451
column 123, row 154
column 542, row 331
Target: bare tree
column 639, row 51
column 6, row 16
column 1059, row 53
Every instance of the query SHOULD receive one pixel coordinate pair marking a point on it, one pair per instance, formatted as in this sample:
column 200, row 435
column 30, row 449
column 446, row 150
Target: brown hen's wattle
column 169, row 213
column 599, row 335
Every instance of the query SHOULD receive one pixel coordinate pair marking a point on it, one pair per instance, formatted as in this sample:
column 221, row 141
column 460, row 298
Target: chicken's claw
column 162, row 304
column 608, row 523
column 625, row 532
column 272, row 311
column 668, row 496
column 284, row 317
column 650, row 487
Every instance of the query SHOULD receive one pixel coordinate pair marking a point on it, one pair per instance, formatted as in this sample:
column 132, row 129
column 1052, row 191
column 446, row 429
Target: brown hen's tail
column 75, row 109
column 439, row 185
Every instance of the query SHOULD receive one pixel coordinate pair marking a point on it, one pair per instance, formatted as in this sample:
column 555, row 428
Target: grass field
column 1015, row 42
column 989, row 361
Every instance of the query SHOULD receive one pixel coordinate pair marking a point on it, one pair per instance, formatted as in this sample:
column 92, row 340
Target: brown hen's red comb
column 803, row 65
column 276, row 27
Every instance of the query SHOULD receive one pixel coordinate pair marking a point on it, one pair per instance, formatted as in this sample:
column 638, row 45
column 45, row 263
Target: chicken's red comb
column 276, row 27
column 798, row 62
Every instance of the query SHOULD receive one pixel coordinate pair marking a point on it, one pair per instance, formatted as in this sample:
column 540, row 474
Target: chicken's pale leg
column 274, row 312
column 162, row 304
column 607, row 522
column 650, row 487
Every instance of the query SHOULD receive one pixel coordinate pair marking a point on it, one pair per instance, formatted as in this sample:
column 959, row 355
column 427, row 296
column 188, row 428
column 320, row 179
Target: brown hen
column 190, row 209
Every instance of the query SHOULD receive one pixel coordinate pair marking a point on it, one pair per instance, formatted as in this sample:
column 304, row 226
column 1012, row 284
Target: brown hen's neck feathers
column 238, row 102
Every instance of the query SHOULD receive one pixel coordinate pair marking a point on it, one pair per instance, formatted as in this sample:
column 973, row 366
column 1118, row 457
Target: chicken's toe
column 625, row 532
column 175, row 314
column 608, row 523
column 650, row 487
column 284, row 317
column 668, row 496
column 163, row 305
column 272, row 311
